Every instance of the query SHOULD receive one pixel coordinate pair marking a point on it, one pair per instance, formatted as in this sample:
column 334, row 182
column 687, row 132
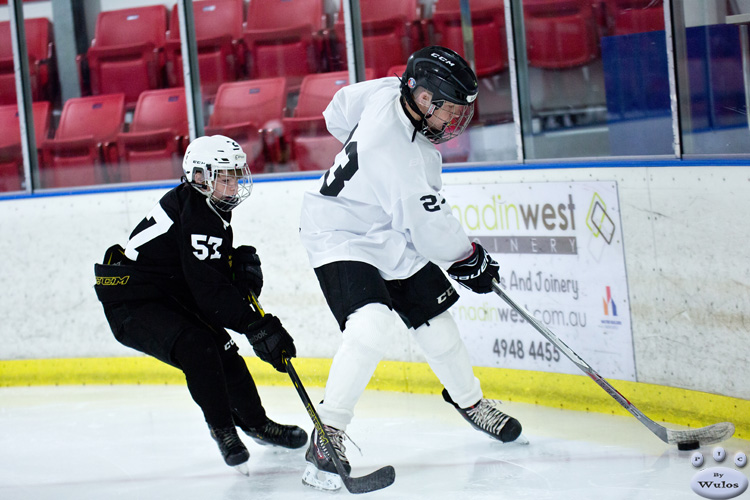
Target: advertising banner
column 561, row 256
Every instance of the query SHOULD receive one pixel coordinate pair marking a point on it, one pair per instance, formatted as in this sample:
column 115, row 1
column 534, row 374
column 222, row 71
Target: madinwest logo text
column 551, row 223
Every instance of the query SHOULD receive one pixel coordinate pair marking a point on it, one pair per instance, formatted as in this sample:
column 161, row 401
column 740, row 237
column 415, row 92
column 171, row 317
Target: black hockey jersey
column 180, row 250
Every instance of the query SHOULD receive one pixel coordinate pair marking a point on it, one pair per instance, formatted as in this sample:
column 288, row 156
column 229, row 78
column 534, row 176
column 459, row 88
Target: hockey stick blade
column 710, row 434
column 377, row 480
column 705, row 435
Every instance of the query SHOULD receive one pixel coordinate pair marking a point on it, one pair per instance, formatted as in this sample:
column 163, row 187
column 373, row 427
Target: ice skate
column 271, row 433
column 483, row 416
column 234, row 452
column 321, row 472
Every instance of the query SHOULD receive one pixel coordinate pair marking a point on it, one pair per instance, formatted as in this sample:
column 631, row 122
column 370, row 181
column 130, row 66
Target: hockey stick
column 703, row 436
column 377, row 480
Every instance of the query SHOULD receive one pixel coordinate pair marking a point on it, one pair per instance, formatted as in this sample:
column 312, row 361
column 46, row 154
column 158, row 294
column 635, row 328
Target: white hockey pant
column 369, row 331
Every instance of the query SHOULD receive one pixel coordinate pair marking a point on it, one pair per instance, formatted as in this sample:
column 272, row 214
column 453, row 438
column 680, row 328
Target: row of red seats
column 139, row 49
column 133, row 48
column 559, row 33
column 89, row 143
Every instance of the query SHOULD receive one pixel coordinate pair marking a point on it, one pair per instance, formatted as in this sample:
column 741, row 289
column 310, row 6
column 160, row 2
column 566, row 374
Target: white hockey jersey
column 380, row 202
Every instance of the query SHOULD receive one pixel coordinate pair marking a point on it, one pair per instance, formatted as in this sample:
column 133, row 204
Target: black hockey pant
column 216, row 375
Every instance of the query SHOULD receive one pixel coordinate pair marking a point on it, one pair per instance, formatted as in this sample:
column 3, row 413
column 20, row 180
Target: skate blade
column 269, row 445
column 321, row 480
column 242, row 469
column 274, row 447
column 521, row 439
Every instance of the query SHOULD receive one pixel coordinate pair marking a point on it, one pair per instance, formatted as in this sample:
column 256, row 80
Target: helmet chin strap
column 214, row 210
column 421, row 124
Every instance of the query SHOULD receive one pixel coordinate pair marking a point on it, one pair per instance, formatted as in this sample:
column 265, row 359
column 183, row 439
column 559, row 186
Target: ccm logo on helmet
column 442, row 59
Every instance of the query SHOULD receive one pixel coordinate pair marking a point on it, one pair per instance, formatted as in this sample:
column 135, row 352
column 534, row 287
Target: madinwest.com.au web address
column 550, row 317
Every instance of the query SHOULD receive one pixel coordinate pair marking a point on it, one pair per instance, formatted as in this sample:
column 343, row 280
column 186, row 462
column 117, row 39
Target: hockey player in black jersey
column 174, row 288
column 379, row 235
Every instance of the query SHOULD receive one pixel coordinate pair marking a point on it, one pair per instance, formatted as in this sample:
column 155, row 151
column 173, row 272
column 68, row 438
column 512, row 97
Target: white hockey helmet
column 217, row 167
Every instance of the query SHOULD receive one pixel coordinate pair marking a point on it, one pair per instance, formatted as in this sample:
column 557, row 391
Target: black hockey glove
column 269, row 340
column 247, row 275
column 477, row 271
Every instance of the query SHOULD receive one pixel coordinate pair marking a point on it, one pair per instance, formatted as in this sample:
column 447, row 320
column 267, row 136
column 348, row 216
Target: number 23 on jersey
column 338, row 174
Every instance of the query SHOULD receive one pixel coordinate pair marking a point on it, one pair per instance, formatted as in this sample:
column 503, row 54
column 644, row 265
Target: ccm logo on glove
column 477, row 271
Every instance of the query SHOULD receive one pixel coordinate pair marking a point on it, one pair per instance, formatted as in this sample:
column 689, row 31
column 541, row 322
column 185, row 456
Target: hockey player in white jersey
column 379, row 235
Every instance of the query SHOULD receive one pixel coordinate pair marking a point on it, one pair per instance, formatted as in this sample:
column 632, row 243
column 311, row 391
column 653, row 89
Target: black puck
column 688, row 445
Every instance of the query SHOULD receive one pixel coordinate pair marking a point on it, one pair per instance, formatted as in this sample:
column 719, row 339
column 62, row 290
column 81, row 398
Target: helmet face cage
column 453, row 86
column 216, row 167
column 230, row 187
column 452, row 120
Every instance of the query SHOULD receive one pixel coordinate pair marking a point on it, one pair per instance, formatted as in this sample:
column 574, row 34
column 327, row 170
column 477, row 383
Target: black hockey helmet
column 448, row 77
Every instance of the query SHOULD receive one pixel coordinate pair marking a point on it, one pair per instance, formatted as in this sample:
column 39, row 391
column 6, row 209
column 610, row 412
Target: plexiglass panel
column 44, row 88
column 598, row 81
column 279, row 123
column 394, row 29
column 491, row 136
column 109, row 106
column 259, row 62
column 11, row 161
column 711, row 38
column 124, row 66
column 112, row 116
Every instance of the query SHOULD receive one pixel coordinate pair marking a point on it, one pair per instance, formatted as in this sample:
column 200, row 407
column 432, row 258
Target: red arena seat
column 158, row 135
column 218, row 31
column 560, row 33
column 634, row 16
column 488, row 24
column 391, row 31
column 283, row 38
column 84, row 141
column 250, row 112
column 127, row 54
column 11, row 157
column 311, row 146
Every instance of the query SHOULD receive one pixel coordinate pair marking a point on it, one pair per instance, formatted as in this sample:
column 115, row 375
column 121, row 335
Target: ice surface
column 150, row 442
